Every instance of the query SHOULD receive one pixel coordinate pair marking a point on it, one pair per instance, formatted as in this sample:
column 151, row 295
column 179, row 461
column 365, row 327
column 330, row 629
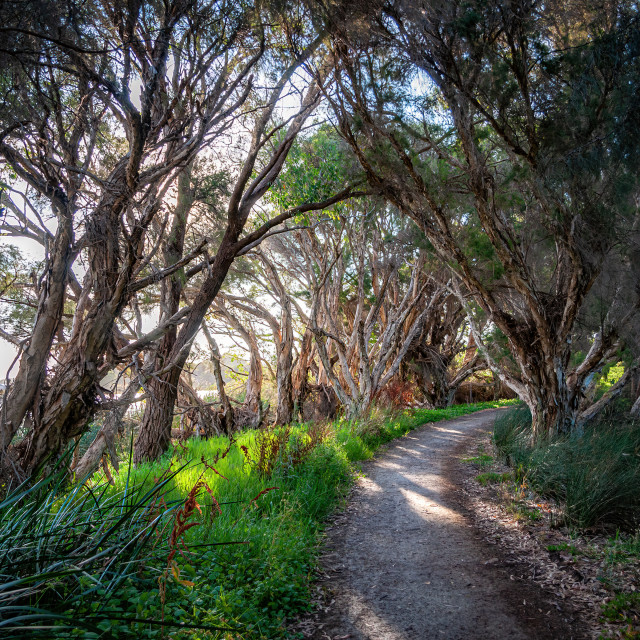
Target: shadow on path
column 406, row 565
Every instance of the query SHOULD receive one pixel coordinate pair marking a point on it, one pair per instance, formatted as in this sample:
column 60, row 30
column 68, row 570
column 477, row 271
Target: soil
column 405, row 561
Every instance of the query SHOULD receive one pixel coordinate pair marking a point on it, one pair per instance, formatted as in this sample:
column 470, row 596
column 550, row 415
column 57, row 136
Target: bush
column 64, row 554
column 595, row 475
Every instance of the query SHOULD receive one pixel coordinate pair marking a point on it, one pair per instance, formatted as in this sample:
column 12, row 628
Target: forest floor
column 406, row 560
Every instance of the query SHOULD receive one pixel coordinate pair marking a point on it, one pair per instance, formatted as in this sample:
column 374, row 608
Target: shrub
column 595, row 475
column 64, row 554
column 396, row 394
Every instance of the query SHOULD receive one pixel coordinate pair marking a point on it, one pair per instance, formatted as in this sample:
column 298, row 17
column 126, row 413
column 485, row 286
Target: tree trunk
column 635, row 409
column 203, row 419
column 226, row 418
column 152, row 442
column 155, row 439
column 284, row 411
column 301, row 373
column 553, row 404
column 21, row 394
column 67, row 406
column 611, row 394
column 254, row 381
column 171, row 290
column 105, row 438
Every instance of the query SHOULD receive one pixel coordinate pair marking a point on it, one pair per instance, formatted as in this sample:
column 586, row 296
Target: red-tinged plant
column 267, row 490
column 273, row 445
column 212, row 468
column 396, row 394
column 269, row 446
column 183, row 523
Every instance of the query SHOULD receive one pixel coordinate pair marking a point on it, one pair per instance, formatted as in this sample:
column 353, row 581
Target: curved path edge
column 403, row 562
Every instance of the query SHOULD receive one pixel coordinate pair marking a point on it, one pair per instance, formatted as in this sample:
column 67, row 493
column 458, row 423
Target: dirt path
column 403, row 562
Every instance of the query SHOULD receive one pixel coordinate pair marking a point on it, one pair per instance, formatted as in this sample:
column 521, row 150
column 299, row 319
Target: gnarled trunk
column 301, row 372
column 21, row 394
column 154, row 439
column 554, row 405
column 254, row 380
column 226, row 412
column 171, row 290
column 284, row 410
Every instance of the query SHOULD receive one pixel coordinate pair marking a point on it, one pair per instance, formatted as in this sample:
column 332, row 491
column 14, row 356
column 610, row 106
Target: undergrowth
column 236, row 556
column 595, row 476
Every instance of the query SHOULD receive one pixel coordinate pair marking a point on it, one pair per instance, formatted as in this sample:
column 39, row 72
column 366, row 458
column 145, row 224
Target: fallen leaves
column 575, row 571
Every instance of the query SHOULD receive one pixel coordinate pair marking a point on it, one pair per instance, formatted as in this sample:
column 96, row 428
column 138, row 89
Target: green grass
column 265, row 580
column 595, row 476
column 565, row 546
column 257, row 585
column 360, row 439
column 67, row 555
column 482, row 460
column 522, row 511
column 491, row 477
column 622, row 549
column 621, row 607
column 247, row 563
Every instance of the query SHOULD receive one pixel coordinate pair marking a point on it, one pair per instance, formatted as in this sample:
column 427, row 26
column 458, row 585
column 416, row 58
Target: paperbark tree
column 109, row 103
column 103, row 160
column 522, row 187
column 284, row 345
column 226, row 411
column 369, row 335
column 439, row 356
column 171, row 292
column 258, row 171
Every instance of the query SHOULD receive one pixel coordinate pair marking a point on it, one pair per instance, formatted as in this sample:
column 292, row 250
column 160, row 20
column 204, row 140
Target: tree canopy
column 365, row 198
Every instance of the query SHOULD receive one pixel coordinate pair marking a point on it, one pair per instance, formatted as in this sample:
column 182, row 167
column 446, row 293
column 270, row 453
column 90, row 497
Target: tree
column 510, row 140
column 444, row 354
column 258, row 170
column 109, row 102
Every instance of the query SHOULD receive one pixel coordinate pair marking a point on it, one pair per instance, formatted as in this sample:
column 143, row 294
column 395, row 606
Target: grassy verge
column 594, row 479
column 595, row 476
column 239, row 556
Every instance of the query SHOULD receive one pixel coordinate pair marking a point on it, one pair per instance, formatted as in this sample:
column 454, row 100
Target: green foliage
column 491, row 477
column 362, row 437
column 66, row 557
column 521, row 511
column 623, row 549
column 482, row 460
column 566, row 547
column 619, row 608
column 595, row 475
column 270, row 517
column 18, row 301
column 318, row 166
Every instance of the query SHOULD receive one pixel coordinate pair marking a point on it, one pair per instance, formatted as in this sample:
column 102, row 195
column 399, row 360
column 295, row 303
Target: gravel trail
column 403, row 562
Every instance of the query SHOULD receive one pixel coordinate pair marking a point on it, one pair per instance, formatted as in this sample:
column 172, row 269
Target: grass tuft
column 491, row 477
column 594, row 475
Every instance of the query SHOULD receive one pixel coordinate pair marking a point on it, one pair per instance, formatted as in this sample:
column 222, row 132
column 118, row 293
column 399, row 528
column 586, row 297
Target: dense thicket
column 375, row 200
column 106, row 107
column 507, row 133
